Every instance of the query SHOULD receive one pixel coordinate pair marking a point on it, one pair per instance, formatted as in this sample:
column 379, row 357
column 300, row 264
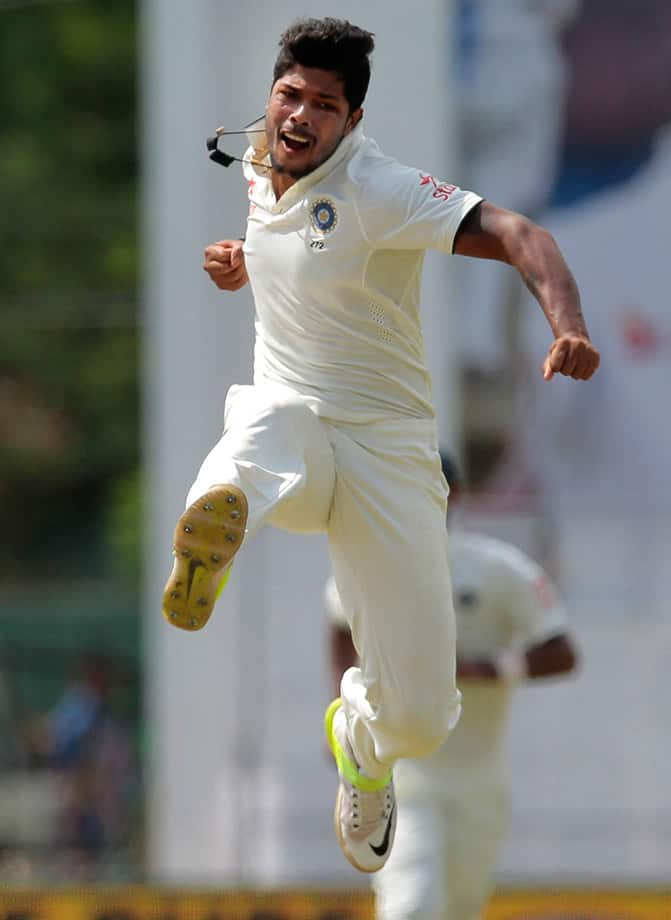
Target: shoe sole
column 207, row 537
column 330, row 737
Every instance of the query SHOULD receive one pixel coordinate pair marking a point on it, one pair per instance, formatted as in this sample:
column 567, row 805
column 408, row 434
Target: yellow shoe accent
column 224, row 581
column 207, row 537
column 347, row 767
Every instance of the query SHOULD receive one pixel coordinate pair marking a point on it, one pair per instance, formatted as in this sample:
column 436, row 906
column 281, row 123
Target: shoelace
column 368, row 808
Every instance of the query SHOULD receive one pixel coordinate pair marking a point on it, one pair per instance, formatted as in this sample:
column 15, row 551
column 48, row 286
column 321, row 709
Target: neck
column 282, row 182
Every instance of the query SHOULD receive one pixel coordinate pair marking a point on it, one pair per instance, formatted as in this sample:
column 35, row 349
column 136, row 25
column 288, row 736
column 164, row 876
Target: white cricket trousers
column 378, row 492
column 445, row 853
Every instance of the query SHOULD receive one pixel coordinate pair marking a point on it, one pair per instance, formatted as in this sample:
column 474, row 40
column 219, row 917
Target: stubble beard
column 281, row 170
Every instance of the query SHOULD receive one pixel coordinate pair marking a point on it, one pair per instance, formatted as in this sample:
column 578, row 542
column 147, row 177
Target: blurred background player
column 591, row 476
column 600, row 469
column 453, row 806
column 512, row 77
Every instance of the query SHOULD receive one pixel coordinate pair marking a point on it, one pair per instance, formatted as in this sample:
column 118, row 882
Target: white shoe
column 365, row 809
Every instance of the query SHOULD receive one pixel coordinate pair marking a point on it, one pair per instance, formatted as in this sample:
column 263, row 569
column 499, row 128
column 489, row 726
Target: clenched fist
column 225, row 264
column 572, row 355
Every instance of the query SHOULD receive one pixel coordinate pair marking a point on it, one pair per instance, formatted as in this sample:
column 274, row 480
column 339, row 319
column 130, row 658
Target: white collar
column 259, row 157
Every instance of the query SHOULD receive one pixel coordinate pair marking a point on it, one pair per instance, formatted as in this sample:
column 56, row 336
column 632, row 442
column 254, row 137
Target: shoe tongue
column 371, row 808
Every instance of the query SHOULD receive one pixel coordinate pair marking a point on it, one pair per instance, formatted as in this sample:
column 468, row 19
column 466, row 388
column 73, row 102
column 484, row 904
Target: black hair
column 329, row 44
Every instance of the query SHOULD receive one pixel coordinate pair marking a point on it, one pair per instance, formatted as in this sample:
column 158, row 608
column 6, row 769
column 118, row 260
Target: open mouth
column 295, row 142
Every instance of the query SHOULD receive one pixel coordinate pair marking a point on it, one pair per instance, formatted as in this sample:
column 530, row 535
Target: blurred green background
column 69, row 405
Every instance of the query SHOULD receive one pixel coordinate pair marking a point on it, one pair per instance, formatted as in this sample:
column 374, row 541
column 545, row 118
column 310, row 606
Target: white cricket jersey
column 335, row 270
column 503, row 600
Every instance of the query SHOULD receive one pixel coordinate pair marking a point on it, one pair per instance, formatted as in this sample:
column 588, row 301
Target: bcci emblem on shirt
column 323, row 215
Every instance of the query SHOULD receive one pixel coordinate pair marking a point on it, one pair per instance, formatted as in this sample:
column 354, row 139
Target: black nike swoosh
column 384, row 846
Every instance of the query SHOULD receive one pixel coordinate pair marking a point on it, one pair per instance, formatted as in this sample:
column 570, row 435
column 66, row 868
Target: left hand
column 573, row 355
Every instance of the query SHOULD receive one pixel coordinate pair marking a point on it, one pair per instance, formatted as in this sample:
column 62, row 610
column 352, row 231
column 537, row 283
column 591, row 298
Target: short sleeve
column 537, row 613
column 404, row 208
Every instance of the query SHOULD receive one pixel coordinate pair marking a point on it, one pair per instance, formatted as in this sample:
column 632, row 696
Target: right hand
column 225, row 264
column 573, row 355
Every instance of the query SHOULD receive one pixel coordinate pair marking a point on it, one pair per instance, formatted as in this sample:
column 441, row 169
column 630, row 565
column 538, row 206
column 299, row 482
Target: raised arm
column 489, row 232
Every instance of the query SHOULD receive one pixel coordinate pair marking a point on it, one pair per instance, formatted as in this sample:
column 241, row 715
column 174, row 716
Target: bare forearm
column 536, row 256
column 548, row 277
column 548, row 659
column 488, row 232
column 557, row 655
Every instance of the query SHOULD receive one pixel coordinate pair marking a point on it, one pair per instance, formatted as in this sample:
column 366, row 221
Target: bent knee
column 418, row 733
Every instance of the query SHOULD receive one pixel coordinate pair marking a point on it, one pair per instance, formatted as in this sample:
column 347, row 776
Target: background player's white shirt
column 503, row 600
column 599, row 455
column 335, row 270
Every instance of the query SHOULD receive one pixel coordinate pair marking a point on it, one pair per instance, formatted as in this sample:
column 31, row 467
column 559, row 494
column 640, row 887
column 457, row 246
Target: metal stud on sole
column 207, row 537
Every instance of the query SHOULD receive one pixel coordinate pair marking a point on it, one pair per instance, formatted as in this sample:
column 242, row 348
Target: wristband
column 511, row 666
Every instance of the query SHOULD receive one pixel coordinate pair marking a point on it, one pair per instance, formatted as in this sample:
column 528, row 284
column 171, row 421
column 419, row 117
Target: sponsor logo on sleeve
column 441, row 190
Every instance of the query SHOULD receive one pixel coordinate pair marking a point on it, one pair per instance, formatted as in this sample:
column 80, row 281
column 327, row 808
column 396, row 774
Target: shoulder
column 519, row 584
column 375, row 173
column 499, row 556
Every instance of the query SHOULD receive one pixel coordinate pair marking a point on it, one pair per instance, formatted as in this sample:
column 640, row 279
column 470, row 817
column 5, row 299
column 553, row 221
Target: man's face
column 306, row 118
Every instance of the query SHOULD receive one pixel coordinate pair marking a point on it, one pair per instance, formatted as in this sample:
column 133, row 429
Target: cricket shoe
column 207, row 537
column 365, row 809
